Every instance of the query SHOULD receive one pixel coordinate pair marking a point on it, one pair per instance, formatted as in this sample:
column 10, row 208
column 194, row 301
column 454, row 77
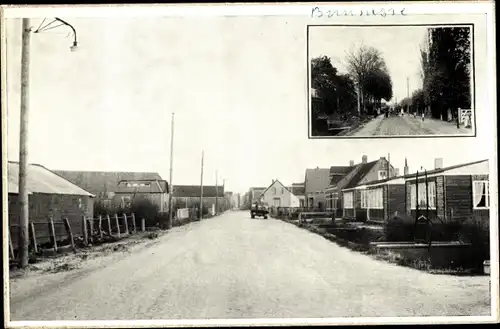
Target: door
column 277, row 202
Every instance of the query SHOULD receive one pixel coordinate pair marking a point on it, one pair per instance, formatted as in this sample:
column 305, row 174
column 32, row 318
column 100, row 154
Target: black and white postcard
column 249, row 165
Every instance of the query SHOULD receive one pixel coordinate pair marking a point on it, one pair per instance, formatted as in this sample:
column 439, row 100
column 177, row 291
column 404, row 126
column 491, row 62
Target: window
column 364, row 199
column 422, row 195
column 348, row 200
column 382, row 174
column 481, row 194
column 274, row 190
column 282, row 190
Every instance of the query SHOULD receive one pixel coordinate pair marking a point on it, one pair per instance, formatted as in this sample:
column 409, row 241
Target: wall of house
column 482, row 216
column 41, row 206
column 458, row 198
column 159, row 199
column 394, row 200
column 319, row 200
column 433, row 213
column 287, row 199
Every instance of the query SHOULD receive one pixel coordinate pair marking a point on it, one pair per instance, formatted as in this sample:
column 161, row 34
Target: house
column 278, row 195
column 119, row 189
column 335, row 175
column 360, row 174
column 316, row 181
column 299, row 190
column 455, row 193
column 254, row 194
column 127, row 191
column 49, row 195
column 188, row 196
column 375, row 200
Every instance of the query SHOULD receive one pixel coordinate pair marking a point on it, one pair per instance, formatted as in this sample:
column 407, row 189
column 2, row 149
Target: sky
column 400, row 48
column 237, row 85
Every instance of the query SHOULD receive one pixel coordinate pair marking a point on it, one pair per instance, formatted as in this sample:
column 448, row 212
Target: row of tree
column 445, row 72
column 363, row 88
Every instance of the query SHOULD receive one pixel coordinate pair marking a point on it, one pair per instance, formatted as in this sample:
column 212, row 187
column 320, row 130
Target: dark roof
column 317, row 179
column 191, row 191
column 362, row 170
column 297, row 190
column 103, row 181
column 339, row 172
column 436, row 171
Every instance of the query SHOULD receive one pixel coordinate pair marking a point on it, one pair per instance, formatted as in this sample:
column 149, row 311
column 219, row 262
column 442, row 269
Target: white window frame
column 274, row 190
column 475, row 185
column 348, row 200
column 364, row 199
column 282, row 190
column 382, row 173
column 422, row 195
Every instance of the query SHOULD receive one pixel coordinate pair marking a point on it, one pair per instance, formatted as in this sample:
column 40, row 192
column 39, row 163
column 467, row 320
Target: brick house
column 119, row 189
column 49, row 195
column 343, row 193
column 299, row 190
column 457, row 193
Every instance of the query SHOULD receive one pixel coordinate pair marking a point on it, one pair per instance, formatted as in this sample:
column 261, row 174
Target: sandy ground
column 408, row 125
column 236, row 267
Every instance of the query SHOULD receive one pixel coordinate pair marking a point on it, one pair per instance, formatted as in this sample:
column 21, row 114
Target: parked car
column 259, row 210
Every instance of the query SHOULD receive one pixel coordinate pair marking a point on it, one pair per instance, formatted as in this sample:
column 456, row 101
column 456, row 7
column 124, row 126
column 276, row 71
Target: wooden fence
column 54, row 233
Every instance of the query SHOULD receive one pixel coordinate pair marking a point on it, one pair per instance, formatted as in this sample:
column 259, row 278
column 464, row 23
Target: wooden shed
column 49, row 195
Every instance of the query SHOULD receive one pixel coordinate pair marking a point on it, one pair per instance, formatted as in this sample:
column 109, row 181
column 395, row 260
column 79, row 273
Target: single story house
column 49, row 195
column 118, row 189
column 455, row 193
column 315, row 182
column 360, row 174
column 278, row 195
column 376, row 200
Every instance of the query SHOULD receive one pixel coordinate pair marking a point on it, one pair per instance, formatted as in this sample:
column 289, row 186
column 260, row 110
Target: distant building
column 278, row 195
column 188, row 196
column 316, row 181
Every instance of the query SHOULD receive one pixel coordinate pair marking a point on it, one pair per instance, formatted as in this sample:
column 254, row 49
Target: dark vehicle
column 259, row 210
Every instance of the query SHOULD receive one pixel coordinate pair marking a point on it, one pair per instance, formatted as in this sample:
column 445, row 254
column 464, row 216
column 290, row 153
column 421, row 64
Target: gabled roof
column 396, row 180
column 191, row 191
column 339, row 172
column 273, row 183
column 42, row 180
column 362, row 170
column 104, row 181
column 317, row 179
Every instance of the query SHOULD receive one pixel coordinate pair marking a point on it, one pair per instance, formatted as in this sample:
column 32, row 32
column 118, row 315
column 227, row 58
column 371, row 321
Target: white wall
column 287, row 199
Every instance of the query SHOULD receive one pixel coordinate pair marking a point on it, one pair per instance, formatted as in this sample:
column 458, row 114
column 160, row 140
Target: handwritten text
column 317, row 12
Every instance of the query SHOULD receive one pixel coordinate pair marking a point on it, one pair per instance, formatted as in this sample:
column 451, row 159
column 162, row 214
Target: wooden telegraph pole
column 201, row 186
column 170, row 206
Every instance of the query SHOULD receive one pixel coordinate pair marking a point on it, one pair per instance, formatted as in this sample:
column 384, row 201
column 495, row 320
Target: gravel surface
column 232, row 266
column 408, row 125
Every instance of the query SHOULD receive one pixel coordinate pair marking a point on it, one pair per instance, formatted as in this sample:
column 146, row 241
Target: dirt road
column 236, row 267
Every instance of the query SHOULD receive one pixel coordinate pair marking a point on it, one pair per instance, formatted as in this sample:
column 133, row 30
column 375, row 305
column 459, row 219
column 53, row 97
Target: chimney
column 364, row 159
column 438, row 163
column 351, row 163
column 406, row 169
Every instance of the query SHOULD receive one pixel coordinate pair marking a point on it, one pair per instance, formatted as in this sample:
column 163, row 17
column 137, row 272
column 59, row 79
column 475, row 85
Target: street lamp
column 23, row 133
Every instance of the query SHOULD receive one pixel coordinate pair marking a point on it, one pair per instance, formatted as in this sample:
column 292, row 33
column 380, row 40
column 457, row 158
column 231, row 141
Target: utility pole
column 170, row 206
column 201, row 186
column 388, row 165
column 216, row 193
column 23, row 146
column 224, row 204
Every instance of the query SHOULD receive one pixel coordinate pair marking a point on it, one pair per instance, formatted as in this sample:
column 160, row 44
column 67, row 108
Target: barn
column 49, row 195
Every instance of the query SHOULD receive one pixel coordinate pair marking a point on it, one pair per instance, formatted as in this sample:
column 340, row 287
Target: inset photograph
column 391, row 81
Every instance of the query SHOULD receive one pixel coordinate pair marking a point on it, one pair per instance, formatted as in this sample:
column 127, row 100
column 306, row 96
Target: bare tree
column 361, row 63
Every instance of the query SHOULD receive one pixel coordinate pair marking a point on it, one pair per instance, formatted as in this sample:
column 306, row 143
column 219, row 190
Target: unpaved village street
column 232, row 266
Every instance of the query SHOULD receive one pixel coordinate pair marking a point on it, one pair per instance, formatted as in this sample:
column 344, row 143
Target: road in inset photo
column 361, row 73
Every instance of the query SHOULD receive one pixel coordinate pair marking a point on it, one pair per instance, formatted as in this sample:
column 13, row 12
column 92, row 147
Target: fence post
column 11, row 247
column 33, row 237
column 100, row 227
column 52, row 233
column 91, row 229
column 126, row 223
column 70, row 234
column 133, row 223
column 117, row 224
column 143, row 225
column 108, row 219
column 85, row 233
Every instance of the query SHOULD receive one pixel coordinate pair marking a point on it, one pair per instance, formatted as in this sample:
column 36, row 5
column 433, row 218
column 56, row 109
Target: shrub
column 479, row 238
column 399, row 228
column 144, row 208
